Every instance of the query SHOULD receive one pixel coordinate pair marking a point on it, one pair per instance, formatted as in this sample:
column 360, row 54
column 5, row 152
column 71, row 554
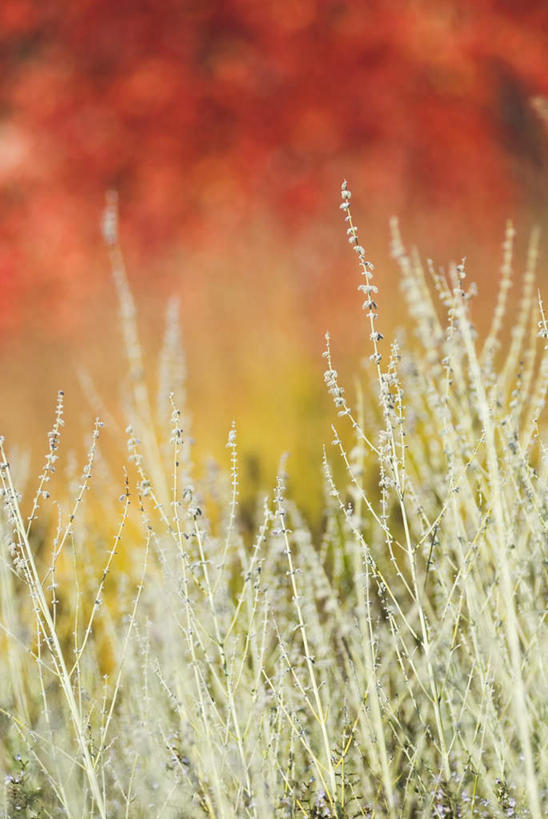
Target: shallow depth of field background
column 226, row 126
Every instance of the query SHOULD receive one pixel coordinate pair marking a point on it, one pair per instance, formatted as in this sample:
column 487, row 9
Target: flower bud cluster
column 366, row 269
column 54, row 436
column 331, row 379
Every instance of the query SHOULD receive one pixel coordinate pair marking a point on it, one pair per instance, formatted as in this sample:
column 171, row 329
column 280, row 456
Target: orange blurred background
column 226, row 126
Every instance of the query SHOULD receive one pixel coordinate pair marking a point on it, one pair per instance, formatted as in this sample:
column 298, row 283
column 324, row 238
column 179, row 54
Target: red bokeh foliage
column 197, row 110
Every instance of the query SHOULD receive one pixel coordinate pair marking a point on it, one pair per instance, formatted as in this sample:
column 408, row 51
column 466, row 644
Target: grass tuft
column 157, row 661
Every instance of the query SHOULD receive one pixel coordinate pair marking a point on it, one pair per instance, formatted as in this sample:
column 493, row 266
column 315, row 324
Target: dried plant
column 394, row 668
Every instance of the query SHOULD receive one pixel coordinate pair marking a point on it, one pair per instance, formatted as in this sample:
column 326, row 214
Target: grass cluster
column 394, row 666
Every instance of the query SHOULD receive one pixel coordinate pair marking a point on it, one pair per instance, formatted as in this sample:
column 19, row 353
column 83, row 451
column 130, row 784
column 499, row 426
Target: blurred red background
column 226, row 127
